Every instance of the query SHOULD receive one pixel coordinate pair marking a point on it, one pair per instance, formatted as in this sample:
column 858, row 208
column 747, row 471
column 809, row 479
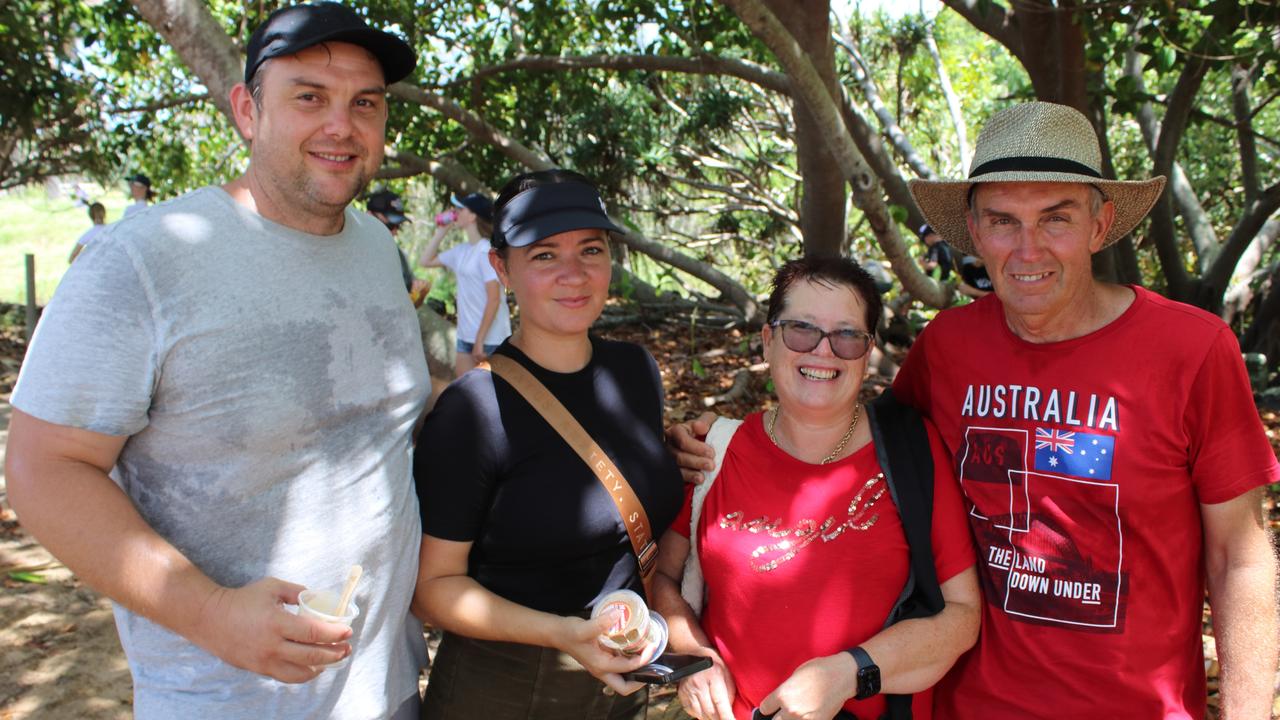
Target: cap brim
column 544, row 226
column 484, row 211
column 945, row 203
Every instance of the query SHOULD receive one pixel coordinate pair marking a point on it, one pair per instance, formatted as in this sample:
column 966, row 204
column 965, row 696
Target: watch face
column 868, row 682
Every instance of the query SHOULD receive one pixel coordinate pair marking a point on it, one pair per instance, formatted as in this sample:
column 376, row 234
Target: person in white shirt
column 483, row 318
column 98, row 214
column 140, row 191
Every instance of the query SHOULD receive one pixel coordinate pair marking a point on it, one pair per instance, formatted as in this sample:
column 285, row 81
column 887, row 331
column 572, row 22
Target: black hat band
column 1030, row 163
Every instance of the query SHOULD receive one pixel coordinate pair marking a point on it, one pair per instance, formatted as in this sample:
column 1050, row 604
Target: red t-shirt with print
column 1084, row 464
column 803, row 561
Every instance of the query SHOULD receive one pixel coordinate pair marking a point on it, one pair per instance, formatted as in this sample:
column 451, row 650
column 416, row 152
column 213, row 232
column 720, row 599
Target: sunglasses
column 802, row 337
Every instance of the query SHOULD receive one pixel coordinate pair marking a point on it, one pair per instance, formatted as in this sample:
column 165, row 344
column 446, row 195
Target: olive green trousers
column 480, row 679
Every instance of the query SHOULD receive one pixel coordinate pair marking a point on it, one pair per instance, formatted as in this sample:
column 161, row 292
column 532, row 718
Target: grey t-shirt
column 269, row 382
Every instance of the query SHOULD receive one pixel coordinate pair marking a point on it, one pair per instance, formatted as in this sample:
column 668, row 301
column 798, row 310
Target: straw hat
column 1034, row 142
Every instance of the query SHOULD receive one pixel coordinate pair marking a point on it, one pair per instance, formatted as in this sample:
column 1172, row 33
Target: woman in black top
column 520, row 539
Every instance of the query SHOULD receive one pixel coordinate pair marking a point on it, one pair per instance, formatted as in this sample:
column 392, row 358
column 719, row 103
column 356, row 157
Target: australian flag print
column 1078, row 454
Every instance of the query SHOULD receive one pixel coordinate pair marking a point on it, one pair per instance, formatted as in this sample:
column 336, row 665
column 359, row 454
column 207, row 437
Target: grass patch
column 32, row 222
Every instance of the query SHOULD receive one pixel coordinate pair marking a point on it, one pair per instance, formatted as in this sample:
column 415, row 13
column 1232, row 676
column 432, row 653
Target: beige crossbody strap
column 553, row 411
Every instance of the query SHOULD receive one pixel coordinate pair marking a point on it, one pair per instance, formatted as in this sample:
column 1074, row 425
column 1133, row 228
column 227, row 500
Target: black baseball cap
column 545, row 210
column 389, row 205
column 479, row 204
column 293, row 29
column 140, row 179
column 925, row 230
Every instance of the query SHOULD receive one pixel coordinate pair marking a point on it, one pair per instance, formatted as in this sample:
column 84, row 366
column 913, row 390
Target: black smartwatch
column 868, row 674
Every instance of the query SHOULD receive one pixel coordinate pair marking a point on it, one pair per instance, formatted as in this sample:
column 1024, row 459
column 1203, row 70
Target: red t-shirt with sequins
column 803, row 561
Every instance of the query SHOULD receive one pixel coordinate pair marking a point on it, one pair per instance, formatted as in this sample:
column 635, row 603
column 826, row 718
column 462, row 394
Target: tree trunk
column 1263, row 335
column 1056, row 69
column 822, row 198
column 200, row 41
column 868, row 194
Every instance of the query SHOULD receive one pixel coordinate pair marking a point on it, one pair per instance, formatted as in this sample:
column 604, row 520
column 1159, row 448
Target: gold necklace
column 857, row 413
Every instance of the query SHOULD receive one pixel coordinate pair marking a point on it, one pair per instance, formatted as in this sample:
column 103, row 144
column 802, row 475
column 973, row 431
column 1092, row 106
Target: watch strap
column 868, row 674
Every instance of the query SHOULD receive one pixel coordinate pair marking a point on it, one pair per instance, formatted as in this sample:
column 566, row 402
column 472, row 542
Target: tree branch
column 1175, row 120
column 192, row 31
column 1240, row 293
column 867, row 191
column 731, row 289
column 474, row 124
column 1215, row 279
column 457, row 178
column 702, row 65
column 953, row 102
column 1203, row 237
column 864, row 137
column 993, row 20
column 1241, row 81
column 888, row 122
column 1266, row 317
column 164, row 103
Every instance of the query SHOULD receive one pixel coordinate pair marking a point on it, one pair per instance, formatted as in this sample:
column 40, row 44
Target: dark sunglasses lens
column 849, row 346
column 799, row 337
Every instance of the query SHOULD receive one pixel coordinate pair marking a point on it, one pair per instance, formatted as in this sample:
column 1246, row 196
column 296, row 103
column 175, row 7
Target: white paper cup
column 320, row 605
column 627, row 634
column 658, row 633
column 636, row 628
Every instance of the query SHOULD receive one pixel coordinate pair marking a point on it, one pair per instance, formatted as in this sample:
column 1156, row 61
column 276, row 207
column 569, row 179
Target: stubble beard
column 322, row 199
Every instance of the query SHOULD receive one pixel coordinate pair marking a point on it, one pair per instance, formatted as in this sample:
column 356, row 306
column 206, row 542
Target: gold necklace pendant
column 857, row 413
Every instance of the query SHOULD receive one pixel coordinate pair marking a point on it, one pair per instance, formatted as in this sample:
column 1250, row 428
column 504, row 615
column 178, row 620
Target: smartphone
column 669, row 668
column 842, row 715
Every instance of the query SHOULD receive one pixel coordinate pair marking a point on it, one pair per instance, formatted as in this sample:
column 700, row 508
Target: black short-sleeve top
column 490, row 470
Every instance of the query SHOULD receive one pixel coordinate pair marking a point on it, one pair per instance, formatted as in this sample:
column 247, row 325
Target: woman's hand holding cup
column 581, row 640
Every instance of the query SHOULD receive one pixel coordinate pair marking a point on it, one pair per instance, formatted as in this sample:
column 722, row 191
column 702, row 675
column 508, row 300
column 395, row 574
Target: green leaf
column 698, row 370
column 28, row 577
column 898, row 213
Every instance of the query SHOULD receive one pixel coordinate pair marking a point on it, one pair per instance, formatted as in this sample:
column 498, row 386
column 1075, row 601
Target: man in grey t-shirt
column 218, row 407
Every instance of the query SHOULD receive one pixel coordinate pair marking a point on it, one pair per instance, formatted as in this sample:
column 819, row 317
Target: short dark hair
column 829, row 271
column 255, row 83
column 519, row 184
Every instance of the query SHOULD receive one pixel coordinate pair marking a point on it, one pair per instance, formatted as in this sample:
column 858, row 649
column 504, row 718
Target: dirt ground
column 60, row 656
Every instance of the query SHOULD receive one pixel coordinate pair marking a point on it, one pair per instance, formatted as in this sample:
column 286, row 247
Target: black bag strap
column 902, row 447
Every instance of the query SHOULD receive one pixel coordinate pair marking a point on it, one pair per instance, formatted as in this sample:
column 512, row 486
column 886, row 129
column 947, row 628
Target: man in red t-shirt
column 1107, row 445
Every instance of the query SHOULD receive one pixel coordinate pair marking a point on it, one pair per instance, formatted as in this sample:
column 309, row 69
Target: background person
column 140, row 191
column 97, row 214
column 520, row 539
column 802, row 547
column 483, row 318
column 937, row 260
column 389, row 208
column 1107, row 444
column 219, row 404
column 975, row 282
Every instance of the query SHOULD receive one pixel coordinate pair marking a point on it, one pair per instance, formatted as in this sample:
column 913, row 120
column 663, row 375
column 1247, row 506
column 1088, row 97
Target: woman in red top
column 801, row 545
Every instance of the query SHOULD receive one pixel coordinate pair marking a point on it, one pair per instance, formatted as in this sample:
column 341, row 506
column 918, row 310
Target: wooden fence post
column 31, row 296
